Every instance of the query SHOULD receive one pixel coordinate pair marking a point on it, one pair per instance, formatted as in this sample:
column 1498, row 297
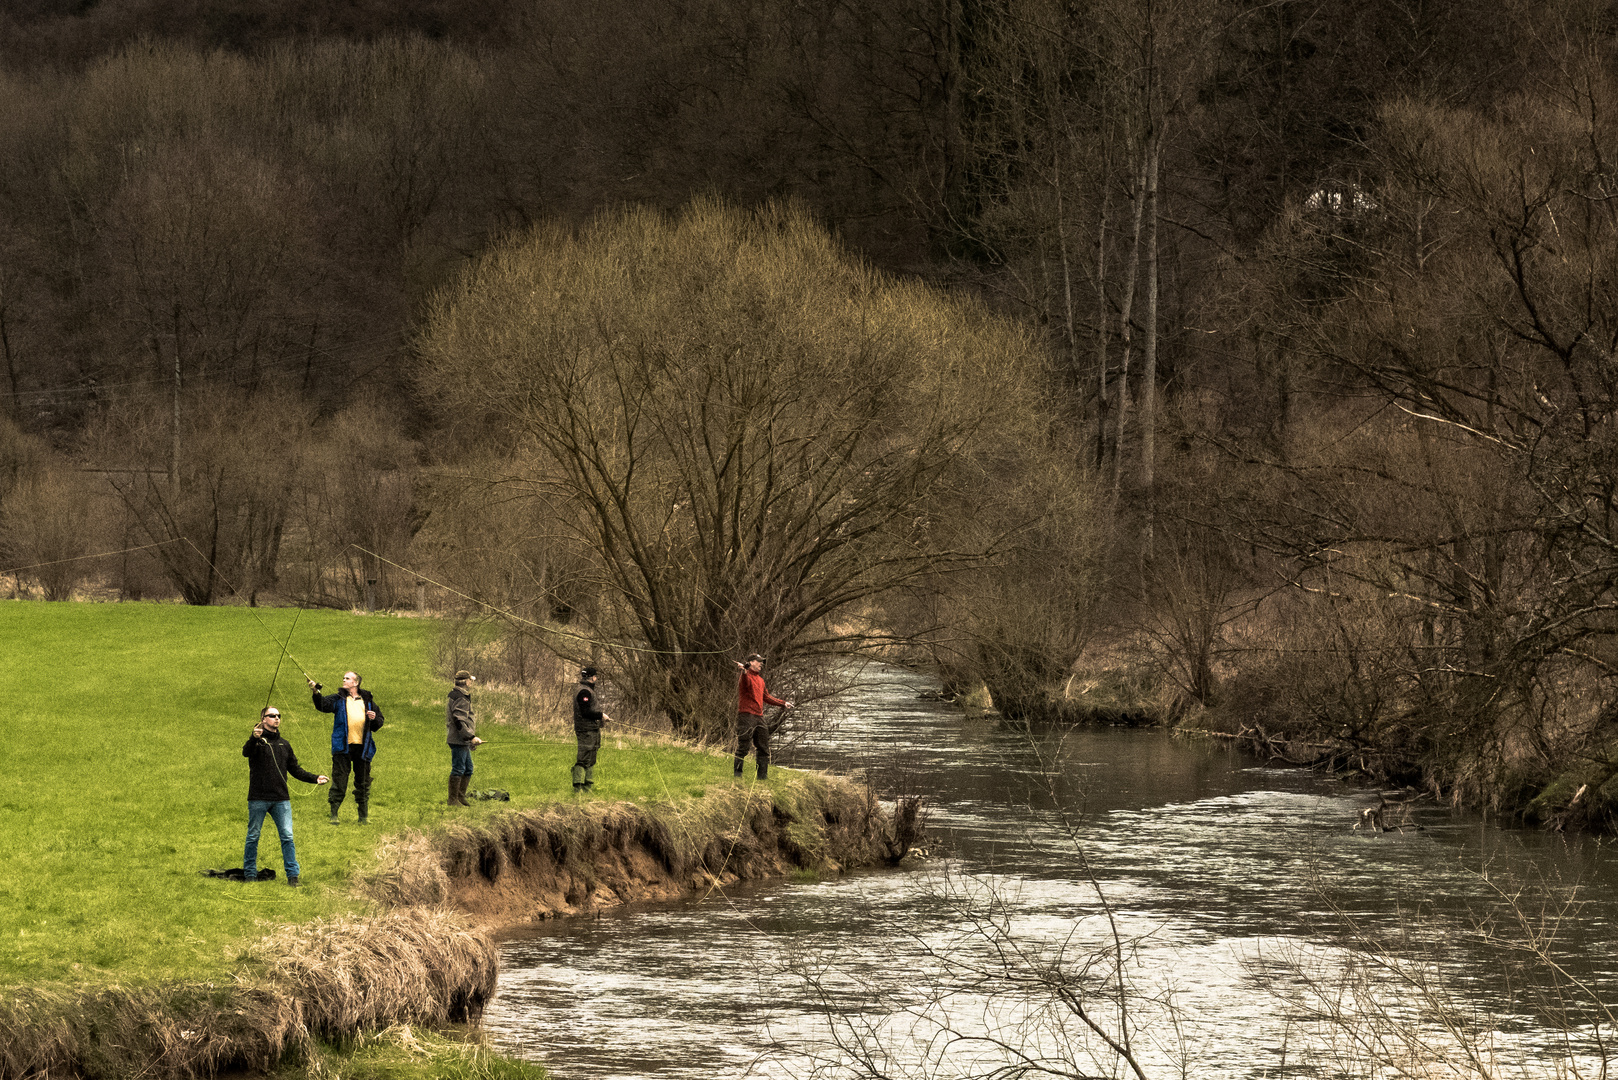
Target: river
column 1256, row 934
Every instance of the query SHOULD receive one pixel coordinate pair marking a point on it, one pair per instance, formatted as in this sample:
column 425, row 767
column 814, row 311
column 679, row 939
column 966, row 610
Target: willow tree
column 747, row 434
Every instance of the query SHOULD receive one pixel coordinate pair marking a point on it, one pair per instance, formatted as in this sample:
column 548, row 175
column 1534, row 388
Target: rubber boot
column 454, row 784
column 364, row 807
column 460, row 791
column 333, row 813
column 589, row 779
column 578, row 779
column 737, row 774
column 763, row 770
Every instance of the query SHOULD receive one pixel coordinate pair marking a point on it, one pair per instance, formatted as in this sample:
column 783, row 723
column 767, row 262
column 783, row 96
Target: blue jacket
column 333, row 703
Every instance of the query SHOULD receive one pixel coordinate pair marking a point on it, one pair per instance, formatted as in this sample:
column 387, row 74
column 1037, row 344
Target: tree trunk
column 1137, row 195
column 1101, row 329
column 1148, row 375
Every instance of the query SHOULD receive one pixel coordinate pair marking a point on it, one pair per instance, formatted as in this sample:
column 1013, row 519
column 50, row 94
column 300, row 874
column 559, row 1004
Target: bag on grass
column 236, row 873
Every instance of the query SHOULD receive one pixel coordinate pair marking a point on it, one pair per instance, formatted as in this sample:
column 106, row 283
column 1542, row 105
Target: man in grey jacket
column 461, row 734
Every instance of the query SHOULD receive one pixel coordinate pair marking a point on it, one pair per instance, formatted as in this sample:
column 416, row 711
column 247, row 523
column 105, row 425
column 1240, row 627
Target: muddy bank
column 430, row 958
column 571, row 859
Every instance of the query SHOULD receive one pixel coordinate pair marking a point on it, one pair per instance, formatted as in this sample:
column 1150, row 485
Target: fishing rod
column 514, row 617
column 81, row 558
column 484, row 746
column 253, row 612
column 283, row 655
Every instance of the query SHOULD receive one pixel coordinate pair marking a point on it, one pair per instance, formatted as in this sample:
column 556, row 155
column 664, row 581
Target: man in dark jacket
column 461, row 734
column 751, row 697
column 269, row 760
column 354, row 716
column 587, row 720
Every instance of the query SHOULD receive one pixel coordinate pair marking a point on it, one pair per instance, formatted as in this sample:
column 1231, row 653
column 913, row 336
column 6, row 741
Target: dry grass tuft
column 180, row 1030
column 418, row 965
column 410, row 873
column 333, row 978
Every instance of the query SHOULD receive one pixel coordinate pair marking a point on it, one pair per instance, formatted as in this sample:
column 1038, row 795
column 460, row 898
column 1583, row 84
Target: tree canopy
column 742, row 429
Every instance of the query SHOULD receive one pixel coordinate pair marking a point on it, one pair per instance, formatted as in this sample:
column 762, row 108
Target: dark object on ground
column 294, row 881
column 235, row 873
column 491, row 795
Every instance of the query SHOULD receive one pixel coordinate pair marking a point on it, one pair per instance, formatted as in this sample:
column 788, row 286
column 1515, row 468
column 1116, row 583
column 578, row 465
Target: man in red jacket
column 750, row 726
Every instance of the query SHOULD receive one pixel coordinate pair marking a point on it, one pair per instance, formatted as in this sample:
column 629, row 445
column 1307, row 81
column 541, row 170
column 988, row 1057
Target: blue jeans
column 460, row 761
column 281, row 813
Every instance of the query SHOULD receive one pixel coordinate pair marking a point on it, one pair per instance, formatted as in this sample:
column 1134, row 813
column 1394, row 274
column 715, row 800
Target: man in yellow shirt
column 354, row 716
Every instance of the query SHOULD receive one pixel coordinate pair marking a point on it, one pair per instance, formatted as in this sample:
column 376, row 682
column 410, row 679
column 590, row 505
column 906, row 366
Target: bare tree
column 47, row 530
column 748, row 427
column 221, row 519
column 1453, row 483
column 354, row 509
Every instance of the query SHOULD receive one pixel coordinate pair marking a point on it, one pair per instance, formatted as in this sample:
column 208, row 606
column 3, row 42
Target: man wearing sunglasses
column 269, row 760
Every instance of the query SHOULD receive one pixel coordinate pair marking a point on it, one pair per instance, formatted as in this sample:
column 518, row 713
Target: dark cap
column 753, row 656
column 463, row 676
column 588, row 673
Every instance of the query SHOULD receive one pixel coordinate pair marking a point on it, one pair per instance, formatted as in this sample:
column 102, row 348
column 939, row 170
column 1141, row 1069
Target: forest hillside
column 1249, row 365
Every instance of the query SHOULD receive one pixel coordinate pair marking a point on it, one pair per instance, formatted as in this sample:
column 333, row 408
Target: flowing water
column 1257, row 933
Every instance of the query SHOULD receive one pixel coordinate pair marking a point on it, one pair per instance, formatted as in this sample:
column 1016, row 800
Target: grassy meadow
column 122, row 726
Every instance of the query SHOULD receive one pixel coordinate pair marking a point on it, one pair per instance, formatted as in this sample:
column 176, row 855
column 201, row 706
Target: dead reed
column 330, row 979
column 419, row 966
column 177, row 1030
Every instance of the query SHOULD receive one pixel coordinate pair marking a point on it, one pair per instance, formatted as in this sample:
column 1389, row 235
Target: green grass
column 405, row 1053
column 122, row 726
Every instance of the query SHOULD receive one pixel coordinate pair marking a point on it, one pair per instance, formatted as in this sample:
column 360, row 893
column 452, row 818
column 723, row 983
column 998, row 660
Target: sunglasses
column 272, row 716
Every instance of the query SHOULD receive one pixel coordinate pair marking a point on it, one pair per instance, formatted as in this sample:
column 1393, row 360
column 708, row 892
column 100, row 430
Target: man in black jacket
column 269, row 759
column 587, row 720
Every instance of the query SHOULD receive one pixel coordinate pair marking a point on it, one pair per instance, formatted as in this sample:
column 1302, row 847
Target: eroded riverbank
column 570, row 859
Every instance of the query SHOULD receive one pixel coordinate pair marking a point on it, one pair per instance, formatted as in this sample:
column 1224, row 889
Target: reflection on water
column 1243, row 899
